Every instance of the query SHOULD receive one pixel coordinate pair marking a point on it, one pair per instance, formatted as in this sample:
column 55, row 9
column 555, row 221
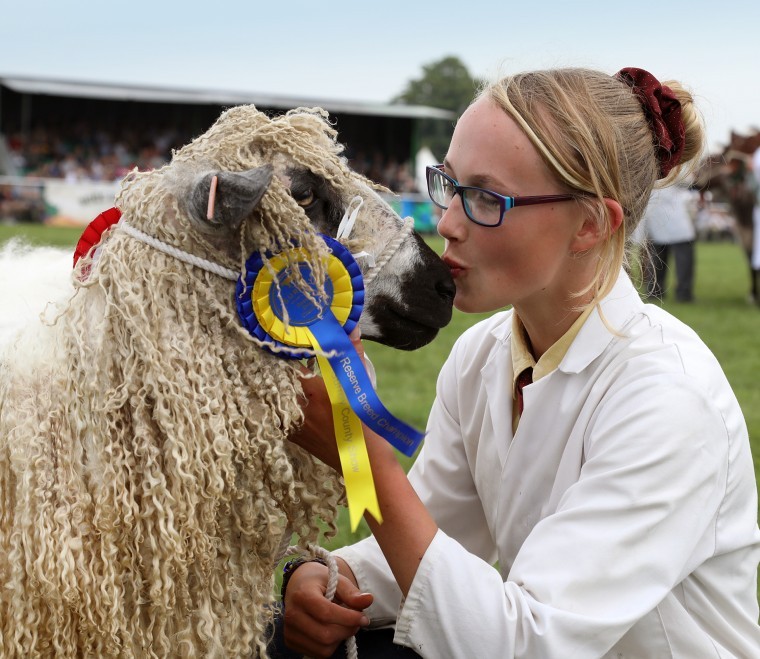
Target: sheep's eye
column 304, row 199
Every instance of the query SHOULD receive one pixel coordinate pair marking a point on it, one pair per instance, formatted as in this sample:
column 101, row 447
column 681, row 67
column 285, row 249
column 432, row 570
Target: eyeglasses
column 483, row 207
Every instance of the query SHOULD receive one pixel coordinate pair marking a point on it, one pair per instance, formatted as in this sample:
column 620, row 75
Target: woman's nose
column 453, row 220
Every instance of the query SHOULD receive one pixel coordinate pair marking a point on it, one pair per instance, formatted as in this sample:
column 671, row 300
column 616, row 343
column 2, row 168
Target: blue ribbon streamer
column 361, row 395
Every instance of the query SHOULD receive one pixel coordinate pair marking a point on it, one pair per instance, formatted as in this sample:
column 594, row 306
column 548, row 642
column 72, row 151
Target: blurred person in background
column 670, row 231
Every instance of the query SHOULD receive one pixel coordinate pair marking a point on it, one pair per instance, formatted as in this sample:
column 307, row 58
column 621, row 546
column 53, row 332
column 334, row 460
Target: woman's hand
column 314, row 625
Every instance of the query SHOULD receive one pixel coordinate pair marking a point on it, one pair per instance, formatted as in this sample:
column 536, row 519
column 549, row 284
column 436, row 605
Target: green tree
column 445, row 84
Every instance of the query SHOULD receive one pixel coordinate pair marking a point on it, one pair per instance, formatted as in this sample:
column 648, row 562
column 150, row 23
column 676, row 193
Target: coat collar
column 617, row 308
column 612, row 315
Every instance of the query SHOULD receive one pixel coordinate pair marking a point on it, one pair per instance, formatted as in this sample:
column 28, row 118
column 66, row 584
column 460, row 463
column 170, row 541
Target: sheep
column 46, row 276
column 147, row 487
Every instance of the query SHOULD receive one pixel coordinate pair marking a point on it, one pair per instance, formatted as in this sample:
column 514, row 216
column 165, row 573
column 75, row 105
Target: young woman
column 586, row 487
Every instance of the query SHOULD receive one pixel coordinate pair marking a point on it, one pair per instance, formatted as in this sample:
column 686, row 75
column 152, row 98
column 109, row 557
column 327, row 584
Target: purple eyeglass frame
column 505, row 202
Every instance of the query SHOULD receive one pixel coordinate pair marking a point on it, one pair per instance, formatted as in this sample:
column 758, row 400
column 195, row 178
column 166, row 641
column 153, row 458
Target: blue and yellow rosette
column 278, row 312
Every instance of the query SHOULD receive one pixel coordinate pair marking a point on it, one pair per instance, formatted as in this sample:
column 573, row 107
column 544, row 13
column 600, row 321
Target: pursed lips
column 456, row 268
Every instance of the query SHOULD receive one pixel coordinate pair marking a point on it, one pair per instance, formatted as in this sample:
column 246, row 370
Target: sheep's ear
column 236, row 194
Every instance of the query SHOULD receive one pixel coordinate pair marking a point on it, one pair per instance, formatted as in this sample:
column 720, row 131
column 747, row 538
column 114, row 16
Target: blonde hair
column 592, row 133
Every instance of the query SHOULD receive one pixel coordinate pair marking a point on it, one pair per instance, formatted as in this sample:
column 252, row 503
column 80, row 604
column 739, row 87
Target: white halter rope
column 344, row 231
column 390, row 249
column 177, row 253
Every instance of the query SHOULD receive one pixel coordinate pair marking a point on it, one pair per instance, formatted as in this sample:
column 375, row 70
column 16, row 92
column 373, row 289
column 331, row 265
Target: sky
column 369, row 51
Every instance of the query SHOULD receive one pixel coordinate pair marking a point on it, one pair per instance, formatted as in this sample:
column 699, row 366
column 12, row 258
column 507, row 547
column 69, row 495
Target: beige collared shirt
column 522, row 357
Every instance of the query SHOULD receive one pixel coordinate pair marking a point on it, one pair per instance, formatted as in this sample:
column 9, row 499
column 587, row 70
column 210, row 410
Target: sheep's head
column 278, row 182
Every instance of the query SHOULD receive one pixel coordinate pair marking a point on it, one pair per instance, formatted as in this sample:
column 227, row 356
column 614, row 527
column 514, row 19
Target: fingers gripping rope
column 332, row 584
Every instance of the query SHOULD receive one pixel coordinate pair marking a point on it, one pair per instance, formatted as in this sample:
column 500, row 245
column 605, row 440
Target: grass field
column 406, row 381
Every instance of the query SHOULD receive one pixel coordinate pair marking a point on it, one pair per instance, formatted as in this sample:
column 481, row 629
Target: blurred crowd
column 394, row 175
column 87, row 154
column 20, row 203
column 83, row 153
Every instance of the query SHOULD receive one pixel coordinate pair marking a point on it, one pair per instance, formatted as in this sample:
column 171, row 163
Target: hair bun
column 663, row 113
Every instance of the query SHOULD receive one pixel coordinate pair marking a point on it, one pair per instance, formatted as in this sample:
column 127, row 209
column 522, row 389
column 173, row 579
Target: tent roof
column 118, row 92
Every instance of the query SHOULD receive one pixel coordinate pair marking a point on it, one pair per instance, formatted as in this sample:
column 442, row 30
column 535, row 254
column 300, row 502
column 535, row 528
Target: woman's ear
column 595, row 229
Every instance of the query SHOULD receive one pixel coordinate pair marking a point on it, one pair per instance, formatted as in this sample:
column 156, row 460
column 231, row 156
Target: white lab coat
column 622, row 513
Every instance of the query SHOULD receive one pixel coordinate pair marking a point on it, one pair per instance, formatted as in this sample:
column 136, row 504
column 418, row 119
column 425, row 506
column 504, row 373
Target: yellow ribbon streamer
column 352, row 449
column 349, row 434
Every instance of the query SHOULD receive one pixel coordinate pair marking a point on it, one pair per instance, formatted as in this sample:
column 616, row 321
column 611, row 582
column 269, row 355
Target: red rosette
column 94, row 232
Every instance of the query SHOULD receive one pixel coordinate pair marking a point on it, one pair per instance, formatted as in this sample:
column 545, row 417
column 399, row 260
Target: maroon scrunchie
column 663, row 112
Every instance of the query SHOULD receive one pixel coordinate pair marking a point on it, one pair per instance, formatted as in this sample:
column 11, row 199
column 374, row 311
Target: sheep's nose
column 446, row 288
